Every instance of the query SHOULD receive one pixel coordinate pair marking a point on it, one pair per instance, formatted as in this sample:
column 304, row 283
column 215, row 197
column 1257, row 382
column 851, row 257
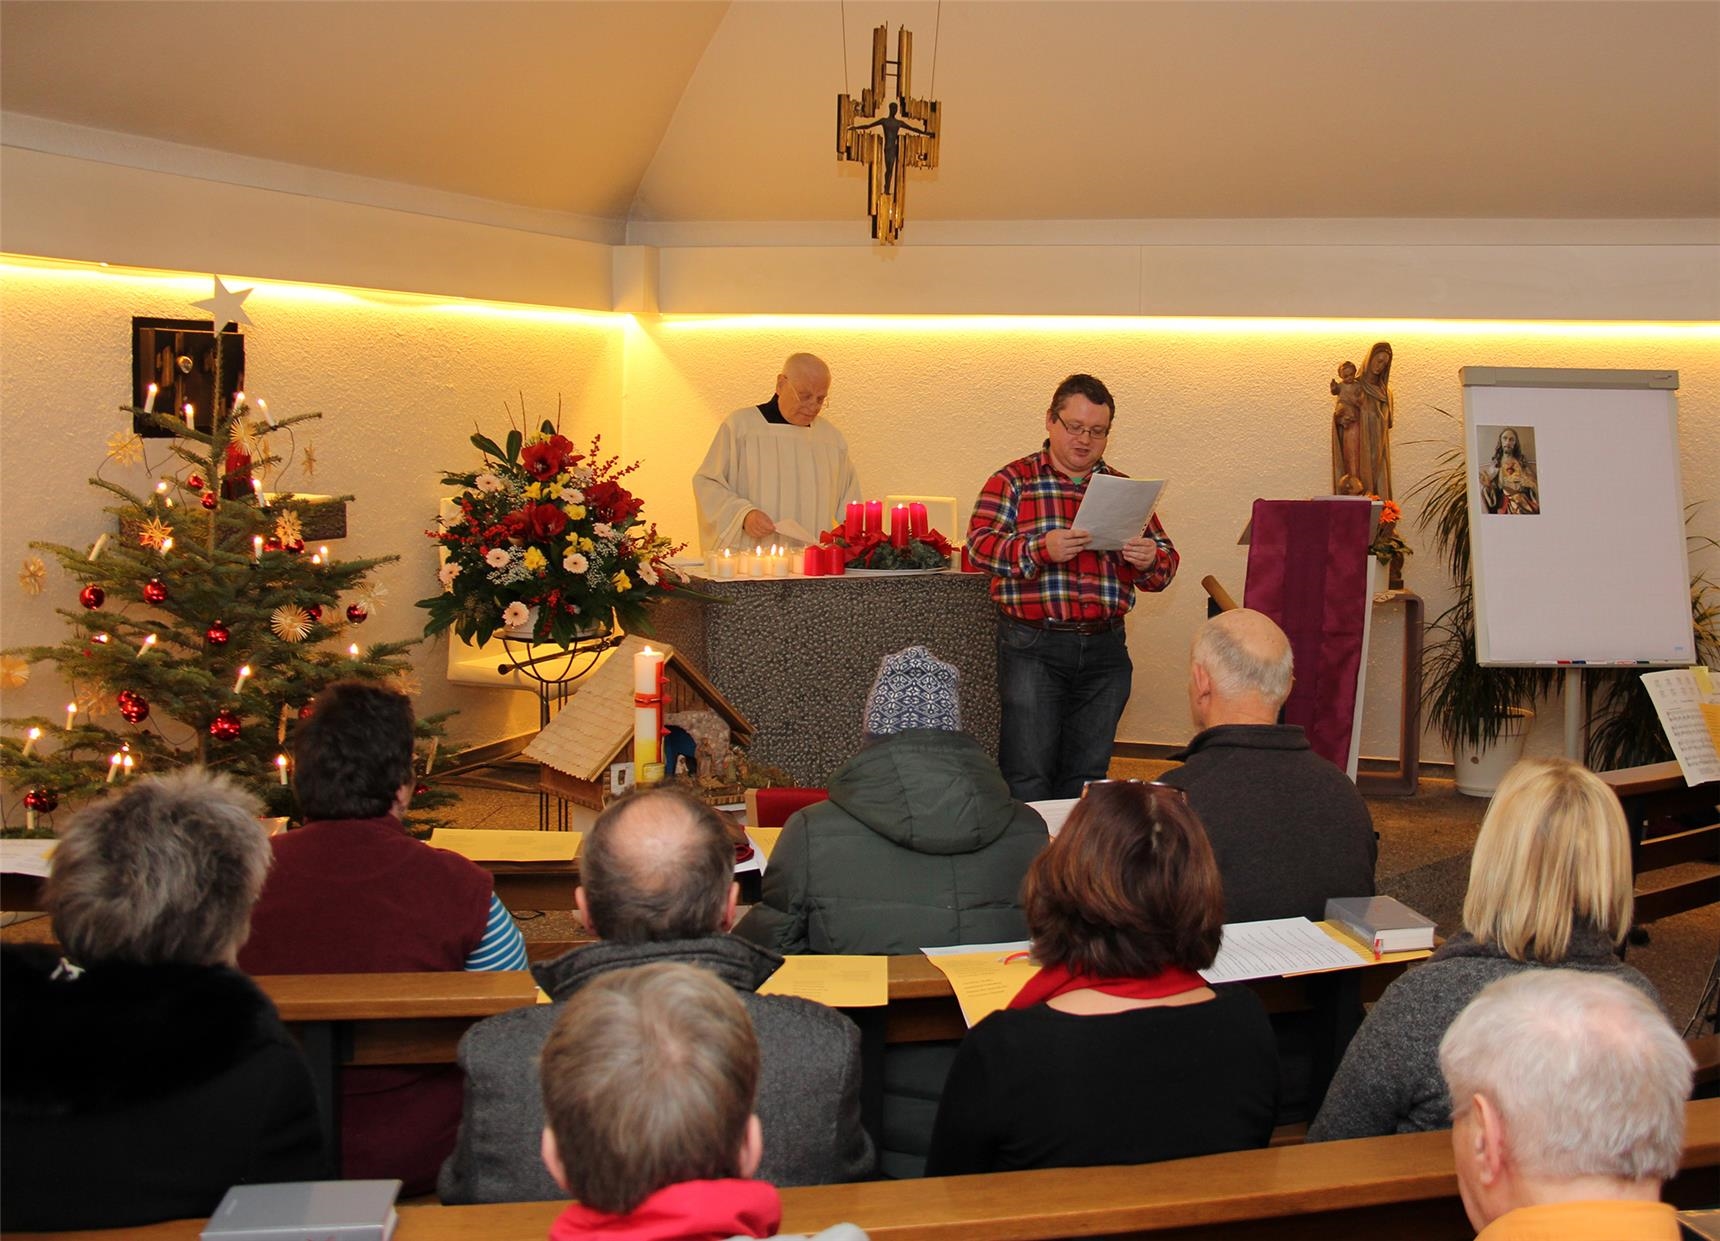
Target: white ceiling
column 692, row 110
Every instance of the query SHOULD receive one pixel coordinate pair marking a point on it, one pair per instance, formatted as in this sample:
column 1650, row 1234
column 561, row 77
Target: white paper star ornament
column 226, row 306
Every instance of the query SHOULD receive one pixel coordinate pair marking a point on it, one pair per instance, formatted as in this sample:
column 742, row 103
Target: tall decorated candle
column 647, row 714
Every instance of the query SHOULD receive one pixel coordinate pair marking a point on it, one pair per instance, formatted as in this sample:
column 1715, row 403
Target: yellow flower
column 534, row 559
column 586, row 545
column 622, row 582
column 533, row 490
column 574, row 511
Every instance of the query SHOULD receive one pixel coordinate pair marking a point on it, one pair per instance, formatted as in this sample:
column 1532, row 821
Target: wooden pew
column 1656, row 800
column 1400, row 1187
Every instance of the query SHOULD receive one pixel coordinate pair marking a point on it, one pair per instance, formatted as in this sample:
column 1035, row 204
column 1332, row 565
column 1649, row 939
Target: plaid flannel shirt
column 1006, row 538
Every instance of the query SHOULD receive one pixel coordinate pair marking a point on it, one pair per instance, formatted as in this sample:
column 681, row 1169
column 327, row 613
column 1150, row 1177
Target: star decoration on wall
column 308, row 460
column 153, row 533
column 225, row 306
column 32, row 575
column 124, row 448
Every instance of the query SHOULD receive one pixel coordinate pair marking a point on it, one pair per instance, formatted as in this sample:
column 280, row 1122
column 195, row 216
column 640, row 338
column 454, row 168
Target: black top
column 1038, row 1088
column 772, row 411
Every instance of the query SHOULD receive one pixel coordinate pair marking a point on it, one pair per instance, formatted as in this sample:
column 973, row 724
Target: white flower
column 603, row 530
column 572, row 495
column 497, row 558
column 647, row 574
column 580, row 476
column 516, row 613
column 447, row 573
column 488, row 482
column 573, row 562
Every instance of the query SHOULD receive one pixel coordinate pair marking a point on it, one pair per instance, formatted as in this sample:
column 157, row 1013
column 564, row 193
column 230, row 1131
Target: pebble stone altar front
column 797, row 655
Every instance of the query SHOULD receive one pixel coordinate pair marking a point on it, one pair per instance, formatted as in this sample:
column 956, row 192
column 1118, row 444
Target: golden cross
column 904, row 137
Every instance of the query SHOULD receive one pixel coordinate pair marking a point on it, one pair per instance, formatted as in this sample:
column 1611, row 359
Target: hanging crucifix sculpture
column 905, row 137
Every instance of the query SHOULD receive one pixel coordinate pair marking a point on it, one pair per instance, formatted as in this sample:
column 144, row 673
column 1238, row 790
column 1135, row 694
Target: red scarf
column 689, row 1211
column 1058, row 980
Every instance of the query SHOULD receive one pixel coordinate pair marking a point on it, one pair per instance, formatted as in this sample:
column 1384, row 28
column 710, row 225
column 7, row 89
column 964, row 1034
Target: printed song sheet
column 1115, row 510
column 838, row 981
column 985, row 977
column 1689, row 711
column 507, row 846
column 1279, row 946
column 26, row 857
column 1054, row 811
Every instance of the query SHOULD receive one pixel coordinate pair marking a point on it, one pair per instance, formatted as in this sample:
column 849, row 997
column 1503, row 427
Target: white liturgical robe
column 787, row 471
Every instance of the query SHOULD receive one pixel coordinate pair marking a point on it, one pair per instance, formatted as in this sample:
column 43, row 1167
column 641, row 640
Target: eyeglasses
column 1088, row 433
column 806, row 398
column 1156, row 786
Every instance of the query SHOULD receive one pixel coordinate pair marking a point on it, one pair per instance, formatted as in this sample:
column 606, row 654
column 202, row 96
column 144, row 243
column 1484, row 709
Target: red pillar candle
column 967, row 565
column 899, row 527
column 854, row 525
column 918, row 523
column 813, row 565
column 875, row 517
column 835, row 561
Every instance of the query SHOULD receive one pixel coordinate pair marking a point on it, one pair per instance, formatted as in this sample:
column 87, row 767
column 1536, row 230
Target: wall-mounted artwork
column 178, row 356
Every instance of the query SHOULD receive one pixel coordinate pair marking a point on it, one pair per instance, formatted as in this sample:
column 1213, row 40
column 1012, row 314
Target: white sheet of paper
column 1279, row 946
column 26, row 857
column 794, row 532
column 1115, row 510
column 1002, row 950
column 1678, row 700
column 1054, row 811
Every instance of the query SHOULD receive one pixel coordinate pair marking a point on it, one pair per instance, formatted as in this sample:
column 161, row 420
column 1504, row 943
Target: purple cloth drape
column 1308, row 567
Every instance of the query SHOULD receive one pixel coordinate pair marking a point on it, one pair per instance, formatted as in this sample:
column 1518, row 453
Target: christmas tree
column 206, row 625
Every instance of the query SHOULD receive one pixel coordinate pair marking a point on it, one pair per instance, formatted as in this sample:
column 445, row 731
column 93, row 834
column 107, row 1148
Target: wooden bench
column 1400, row 1187
column 1657, row 802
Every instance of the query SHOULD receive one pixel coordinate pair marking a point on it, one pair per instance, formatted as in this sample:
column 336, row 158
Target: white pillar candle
column 71, row 714
column 149, row 398
column 647, row 666
column 30, row 740
column 147, row 646
column 126, row 761
column 256, row 547
column 190, row 416
column 101, row 542
column 353, row 650
column 29, row 819
column 264, row 406
column 239, row 684
column 281, row 766
column 430, row 758
column 113, row 768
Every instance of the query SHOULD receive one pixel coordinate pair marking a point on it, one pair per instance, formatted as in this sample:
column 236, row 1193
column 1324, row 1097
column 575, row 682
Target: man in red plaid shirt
column 1063, row 667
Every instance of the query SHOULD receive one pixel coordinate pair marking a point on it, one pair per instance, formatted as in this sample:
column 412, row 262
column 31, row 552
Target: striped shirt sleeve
column 501, row 947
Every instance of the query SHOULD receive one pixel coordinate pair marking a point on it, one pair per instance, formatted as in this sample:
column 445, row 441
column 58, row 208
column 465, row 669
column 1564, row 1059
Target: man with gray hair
column 657, row 885
column 1288, row 828
column 1567, row 1103
column 774, row 464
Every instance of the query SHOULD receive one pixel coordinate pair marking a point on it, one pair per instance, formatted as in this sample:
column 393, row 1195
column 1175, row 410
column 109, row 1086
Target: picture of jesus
column 1510, row 484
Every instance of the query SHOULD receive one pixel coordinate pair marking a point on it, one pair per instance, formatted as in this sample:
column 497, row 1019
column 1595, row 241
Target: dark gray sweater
column 1389, row 1081
column 809, row 1079
column 1288, row 828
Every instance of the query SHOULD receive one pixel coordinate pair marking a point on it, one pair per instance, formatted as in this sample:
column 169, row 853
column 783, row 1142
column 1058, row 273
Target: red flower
column 615, row 502
column 516, row 523
column 546, row 520
column 546, row 458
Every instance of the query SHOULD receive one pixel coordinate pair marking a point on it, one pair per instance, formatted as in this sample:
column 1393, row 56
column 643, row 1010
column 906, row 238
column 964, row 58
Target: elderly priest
column 775, row 462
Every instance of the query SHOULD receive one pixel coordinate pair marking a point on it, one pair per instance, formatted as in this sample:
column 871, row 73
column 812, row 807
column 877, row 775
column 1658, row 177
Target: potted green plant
column 1474, row 708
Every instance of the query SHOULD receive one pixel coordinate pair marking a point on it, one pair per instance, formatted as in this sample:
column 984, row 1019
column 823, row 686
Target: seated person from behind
column 1116, row 1051
column 1288, row 828
column 920, row 845
column 648, row 1083
column 141, row 1074
column 352, row 893
column 657, row 884
column 1568, row 1093
column 1549, row 887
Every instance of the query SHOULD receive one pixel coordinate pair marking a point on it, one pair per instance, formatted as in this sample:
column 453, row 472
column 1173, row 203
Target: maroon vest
column 360, row 896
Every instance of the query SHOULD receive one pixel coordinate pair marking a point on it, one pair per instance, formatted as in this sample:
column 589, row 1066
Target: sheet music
column 1279, row 946
column 1690, row 715
column 1115, row 510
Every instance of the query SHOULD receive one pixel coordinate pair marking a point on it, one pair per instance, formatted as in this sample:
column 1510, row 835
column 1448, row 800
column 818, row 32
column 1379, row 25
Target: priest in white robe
column 776, row 463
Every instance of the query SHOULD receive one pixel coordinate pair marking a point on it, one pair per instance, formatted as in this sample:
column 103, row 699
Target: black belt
column 1087, row 627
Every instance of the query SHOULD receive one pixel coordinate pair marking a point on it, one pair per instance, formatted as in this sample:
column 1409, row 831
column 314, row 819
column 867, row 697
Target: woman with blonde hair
column 1549, row 887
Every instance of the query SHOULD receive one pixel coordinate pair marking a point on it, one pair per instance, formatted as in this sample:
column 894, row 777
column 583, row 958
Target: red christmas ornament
column 217, row 634
column 194, row 482
column 305, row 711
column 225, row 725
column 44, row 800
column 209, row 501
column 155, row 591
column 357, row 614
column 133, row 706
column 92, row 596
column 419, row 789
column 313, row 610
column 271, row 544
column 295, row 548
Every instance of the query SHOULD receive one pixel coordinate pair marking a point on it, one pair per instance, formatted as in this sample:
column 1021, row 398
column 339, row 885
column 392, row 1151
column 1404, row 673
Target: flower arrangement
column 930, row 550
column 547, row 542
column 1388, row 544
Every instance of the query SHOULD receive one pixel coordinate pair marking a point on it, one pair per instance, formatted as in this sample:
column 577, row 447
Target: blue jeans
column 1062, row 694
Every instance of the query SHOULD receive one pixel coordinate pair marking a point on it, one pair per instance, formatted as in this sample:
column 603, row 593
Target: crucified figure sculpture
column 892, row 126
